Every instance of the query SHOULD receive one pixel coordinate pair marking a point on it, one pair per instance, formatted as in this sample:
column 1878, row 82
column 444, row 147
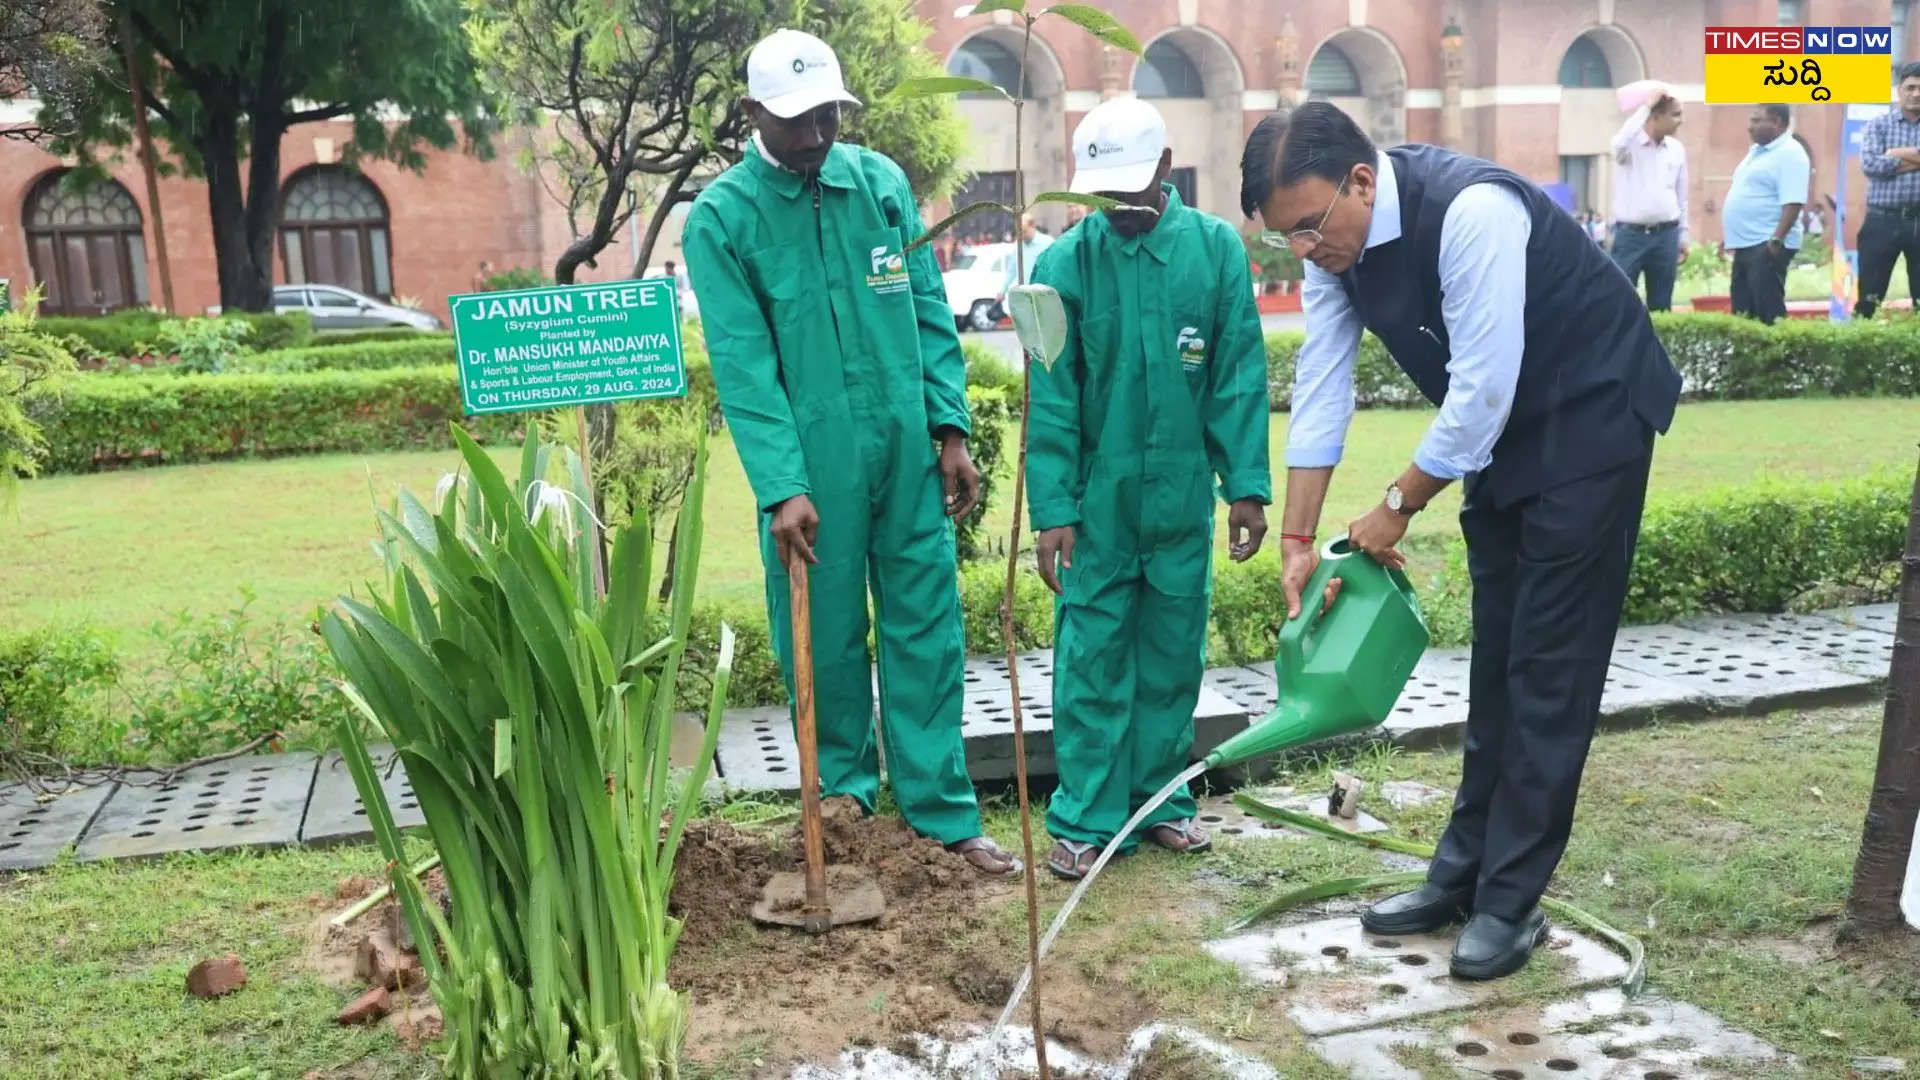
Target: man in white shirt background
column 1650, row 196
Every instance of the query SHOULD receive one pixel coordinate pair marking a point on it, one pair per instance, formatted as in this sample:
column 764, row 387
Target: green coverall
column 1161, row 389
column 836, row 361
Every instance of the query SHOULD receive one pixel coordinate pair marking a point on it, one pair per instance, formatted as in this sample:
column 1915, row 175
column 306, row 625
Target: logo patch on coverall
column 1191, row 347
column 888, row 271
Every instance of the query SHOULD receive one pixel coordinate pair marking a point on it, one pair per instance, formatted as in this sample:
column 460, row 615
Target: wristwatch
column 1397, row 501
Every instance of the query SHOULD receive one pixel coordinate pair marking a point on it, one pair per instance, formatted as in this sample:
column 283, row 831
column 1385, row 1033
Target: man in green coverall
column 1161, row 390
column 839, row 371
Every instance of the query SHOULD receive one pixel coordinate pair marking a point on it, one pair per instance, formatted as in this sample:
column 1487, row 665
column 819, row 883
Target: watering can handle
column 1292, row 654
column 1293, row 635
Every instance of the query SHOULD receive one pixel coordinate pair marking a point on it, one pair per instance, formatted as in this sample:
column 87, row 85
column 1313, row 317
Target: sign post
column 569, row 345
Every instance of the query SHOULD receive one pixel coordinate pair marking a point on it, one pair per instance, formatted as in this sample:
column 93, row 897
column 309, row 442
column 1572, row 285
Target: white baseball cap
column 1117, row 147
column 791, row 72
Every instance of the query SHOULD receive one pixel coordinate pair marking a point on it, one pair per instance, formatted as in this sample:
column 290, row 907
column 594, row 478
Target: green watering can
column 1339, row 672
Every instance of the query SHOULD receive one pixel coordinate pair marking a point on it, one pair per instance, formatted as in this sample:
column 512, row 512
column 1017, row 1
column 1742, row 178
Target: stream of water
column 1080, row 890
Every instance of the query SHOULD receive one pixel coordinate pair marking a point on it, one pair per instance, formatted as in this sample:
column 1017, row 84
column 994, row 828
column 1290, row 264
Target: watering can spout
column 1340, row 671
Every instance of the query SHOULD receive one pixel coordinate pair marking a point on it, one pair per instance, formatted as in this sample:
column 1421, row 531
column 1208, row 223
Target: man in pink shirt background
column 1650, row 193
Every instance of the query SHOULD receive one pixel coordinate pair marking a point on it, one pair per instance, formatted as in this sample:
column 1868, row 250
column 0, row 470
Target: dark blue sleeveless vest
column 1595, row 382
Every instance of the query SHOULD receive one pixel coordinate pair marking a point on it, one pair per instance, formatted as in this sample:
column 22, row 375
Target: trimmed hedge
column 375, row 333
column 123, row 333
column 96, row 423
column 1760, row 548
column 1720, row 357
column 421, row 350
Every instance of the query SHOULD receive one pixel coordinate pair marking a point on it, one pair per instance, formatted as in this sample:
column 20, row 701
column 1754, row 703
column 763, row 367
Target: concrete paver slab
column 247, row 802
column 1349, row 979
column 34, row 831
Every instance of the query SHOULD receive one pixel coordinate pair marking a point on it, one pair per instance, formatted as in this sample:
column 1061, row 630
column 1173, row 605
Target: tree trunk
column 226, row 204
column 263, row 216
column 1886, row 842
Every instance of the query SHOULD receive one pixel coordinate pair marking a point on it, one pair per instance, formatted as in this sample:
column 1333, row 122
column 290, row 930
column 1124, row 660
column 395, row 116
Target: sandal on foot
column 1071, row 860
column 1180, row 836
column 987, row 857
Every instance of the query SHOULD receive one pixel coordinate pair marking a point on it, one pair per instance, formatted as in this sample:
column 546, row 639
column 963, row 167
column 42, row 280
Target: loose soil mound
column 946, row 953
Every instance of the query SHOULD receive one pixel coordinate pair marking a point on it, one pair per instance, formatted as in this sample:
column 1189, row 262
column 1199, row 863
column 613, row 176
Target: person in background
column 480, row 276
column 1032, row 243
column 1075, row 214
column 1890, row 156
column 1650, row 198
column 843, row 385
column 1761, row 216
column 1159, row 395
column 1551, row 385
column 680, row 283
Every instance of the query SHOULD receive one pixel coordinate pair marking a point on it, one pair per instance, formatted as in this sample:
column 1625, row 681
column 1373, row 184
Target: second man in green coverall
column 1160, row 393
column 838, row 369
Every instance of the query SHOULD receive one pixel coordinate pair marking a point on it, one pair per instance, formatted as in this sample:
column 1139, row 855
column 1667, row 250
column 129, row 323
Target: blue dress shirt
column 1768, row 178
column 1483, row 283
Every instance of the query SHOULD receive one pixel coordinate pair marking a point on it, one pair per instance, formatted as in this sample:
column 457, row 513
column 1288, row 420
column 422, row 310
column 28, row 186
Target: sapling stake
column 1109, row 30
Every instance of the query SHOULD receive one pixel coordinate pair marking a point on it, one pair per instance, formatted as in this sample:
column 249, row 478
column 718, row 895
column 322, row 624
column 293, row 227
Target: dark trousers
column 1549, row 579
column 1884, row 238
column 1655, row 254
column 1760, row 282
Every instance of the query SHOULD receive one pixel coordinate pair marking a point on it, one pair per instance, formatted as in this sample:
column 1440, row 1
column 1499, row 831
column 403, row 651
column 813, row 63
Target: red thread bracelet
column 1308, row 540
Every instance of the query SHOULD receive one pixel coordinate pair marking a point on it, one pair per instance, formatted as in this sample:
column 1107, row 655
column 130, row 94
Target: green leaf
column 1039, row 321
column 1326, row 890
column 1091, row 202
column 987, row 7
column 1098, row 23
column 948, row 222
column 946, row 84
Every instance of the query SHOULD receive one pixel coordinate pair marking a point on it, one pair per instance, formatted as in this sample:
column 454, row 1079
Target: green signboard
column 568, row 345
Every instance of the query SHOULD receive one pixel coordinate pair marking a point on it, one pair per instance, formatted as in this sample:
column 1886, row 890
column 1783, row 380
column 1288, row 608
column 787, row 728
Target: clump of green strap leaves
column 533, row 712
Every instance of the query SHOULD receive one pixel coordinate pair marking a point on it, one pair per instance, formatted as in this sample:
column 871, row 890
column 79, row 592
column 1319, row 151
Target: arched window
column 1167, row 72
column 333, row 231
column 988, row 61
column 1331, row 74
column 85, row 245
column 1585, row 66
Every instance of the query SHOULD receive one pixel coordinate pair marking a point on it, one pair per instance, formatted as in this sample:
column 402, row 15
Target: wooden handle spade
column 817, row 914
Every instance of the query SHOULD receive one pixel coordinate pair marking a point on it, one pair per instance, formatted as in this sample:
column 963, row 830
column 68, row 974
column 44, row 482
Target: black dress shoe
column 1491, row 946
column 1422, row 911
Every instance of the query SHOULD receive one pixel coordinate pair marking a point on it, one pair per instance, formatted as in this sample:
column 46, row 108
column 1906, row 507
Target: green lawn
column 123, row 549
column 1803, row 283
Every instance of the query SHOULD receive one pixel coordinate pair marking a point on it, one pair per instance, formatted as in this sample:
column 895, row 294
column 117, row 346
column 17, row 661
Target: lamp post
column 1452, row 40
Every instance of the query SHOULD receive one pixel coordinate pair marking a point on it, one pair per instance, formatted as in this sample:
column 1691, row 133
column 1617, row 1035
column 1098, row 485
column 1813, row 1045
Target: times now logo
column 1799, row 40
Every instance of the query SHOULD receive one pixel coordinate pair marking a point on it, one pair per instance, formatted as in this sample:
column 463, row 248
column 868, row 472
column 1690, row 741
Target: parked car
column 336, row 308
column 976, row 283
column 689, row 305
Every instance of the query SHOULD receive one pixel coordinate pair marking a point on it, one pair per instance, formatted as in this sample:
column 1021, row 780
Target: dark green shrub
column 138, row 332
column 373, row 334
column 518, row 277
column 419, row 350
column 53, row 687
column 154, row 419
column 223, row 682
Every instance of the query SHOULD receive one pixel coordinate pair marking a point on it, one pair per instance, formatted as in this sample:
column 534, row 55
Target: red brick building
column 1525, row 82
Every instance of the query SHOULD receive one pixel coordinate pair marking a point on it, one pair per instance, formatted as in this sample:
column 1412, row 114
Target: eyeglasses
column 1275, row 238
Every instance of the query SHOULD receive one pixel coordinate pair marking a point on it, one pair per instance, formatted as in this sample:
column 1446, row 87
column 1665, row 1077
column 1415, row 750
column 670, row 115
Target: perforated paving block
column 335, row 813
column 33, row 831
column 1433, row 707
column 757, row 752
column 1248, row 687
column 1731, row 673
column 1881, row 617
column 248, row 802
column 1819, row 641
column 1600, row 1035
column 1340, row 978
column 1630, row 696
column 1224, row 817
